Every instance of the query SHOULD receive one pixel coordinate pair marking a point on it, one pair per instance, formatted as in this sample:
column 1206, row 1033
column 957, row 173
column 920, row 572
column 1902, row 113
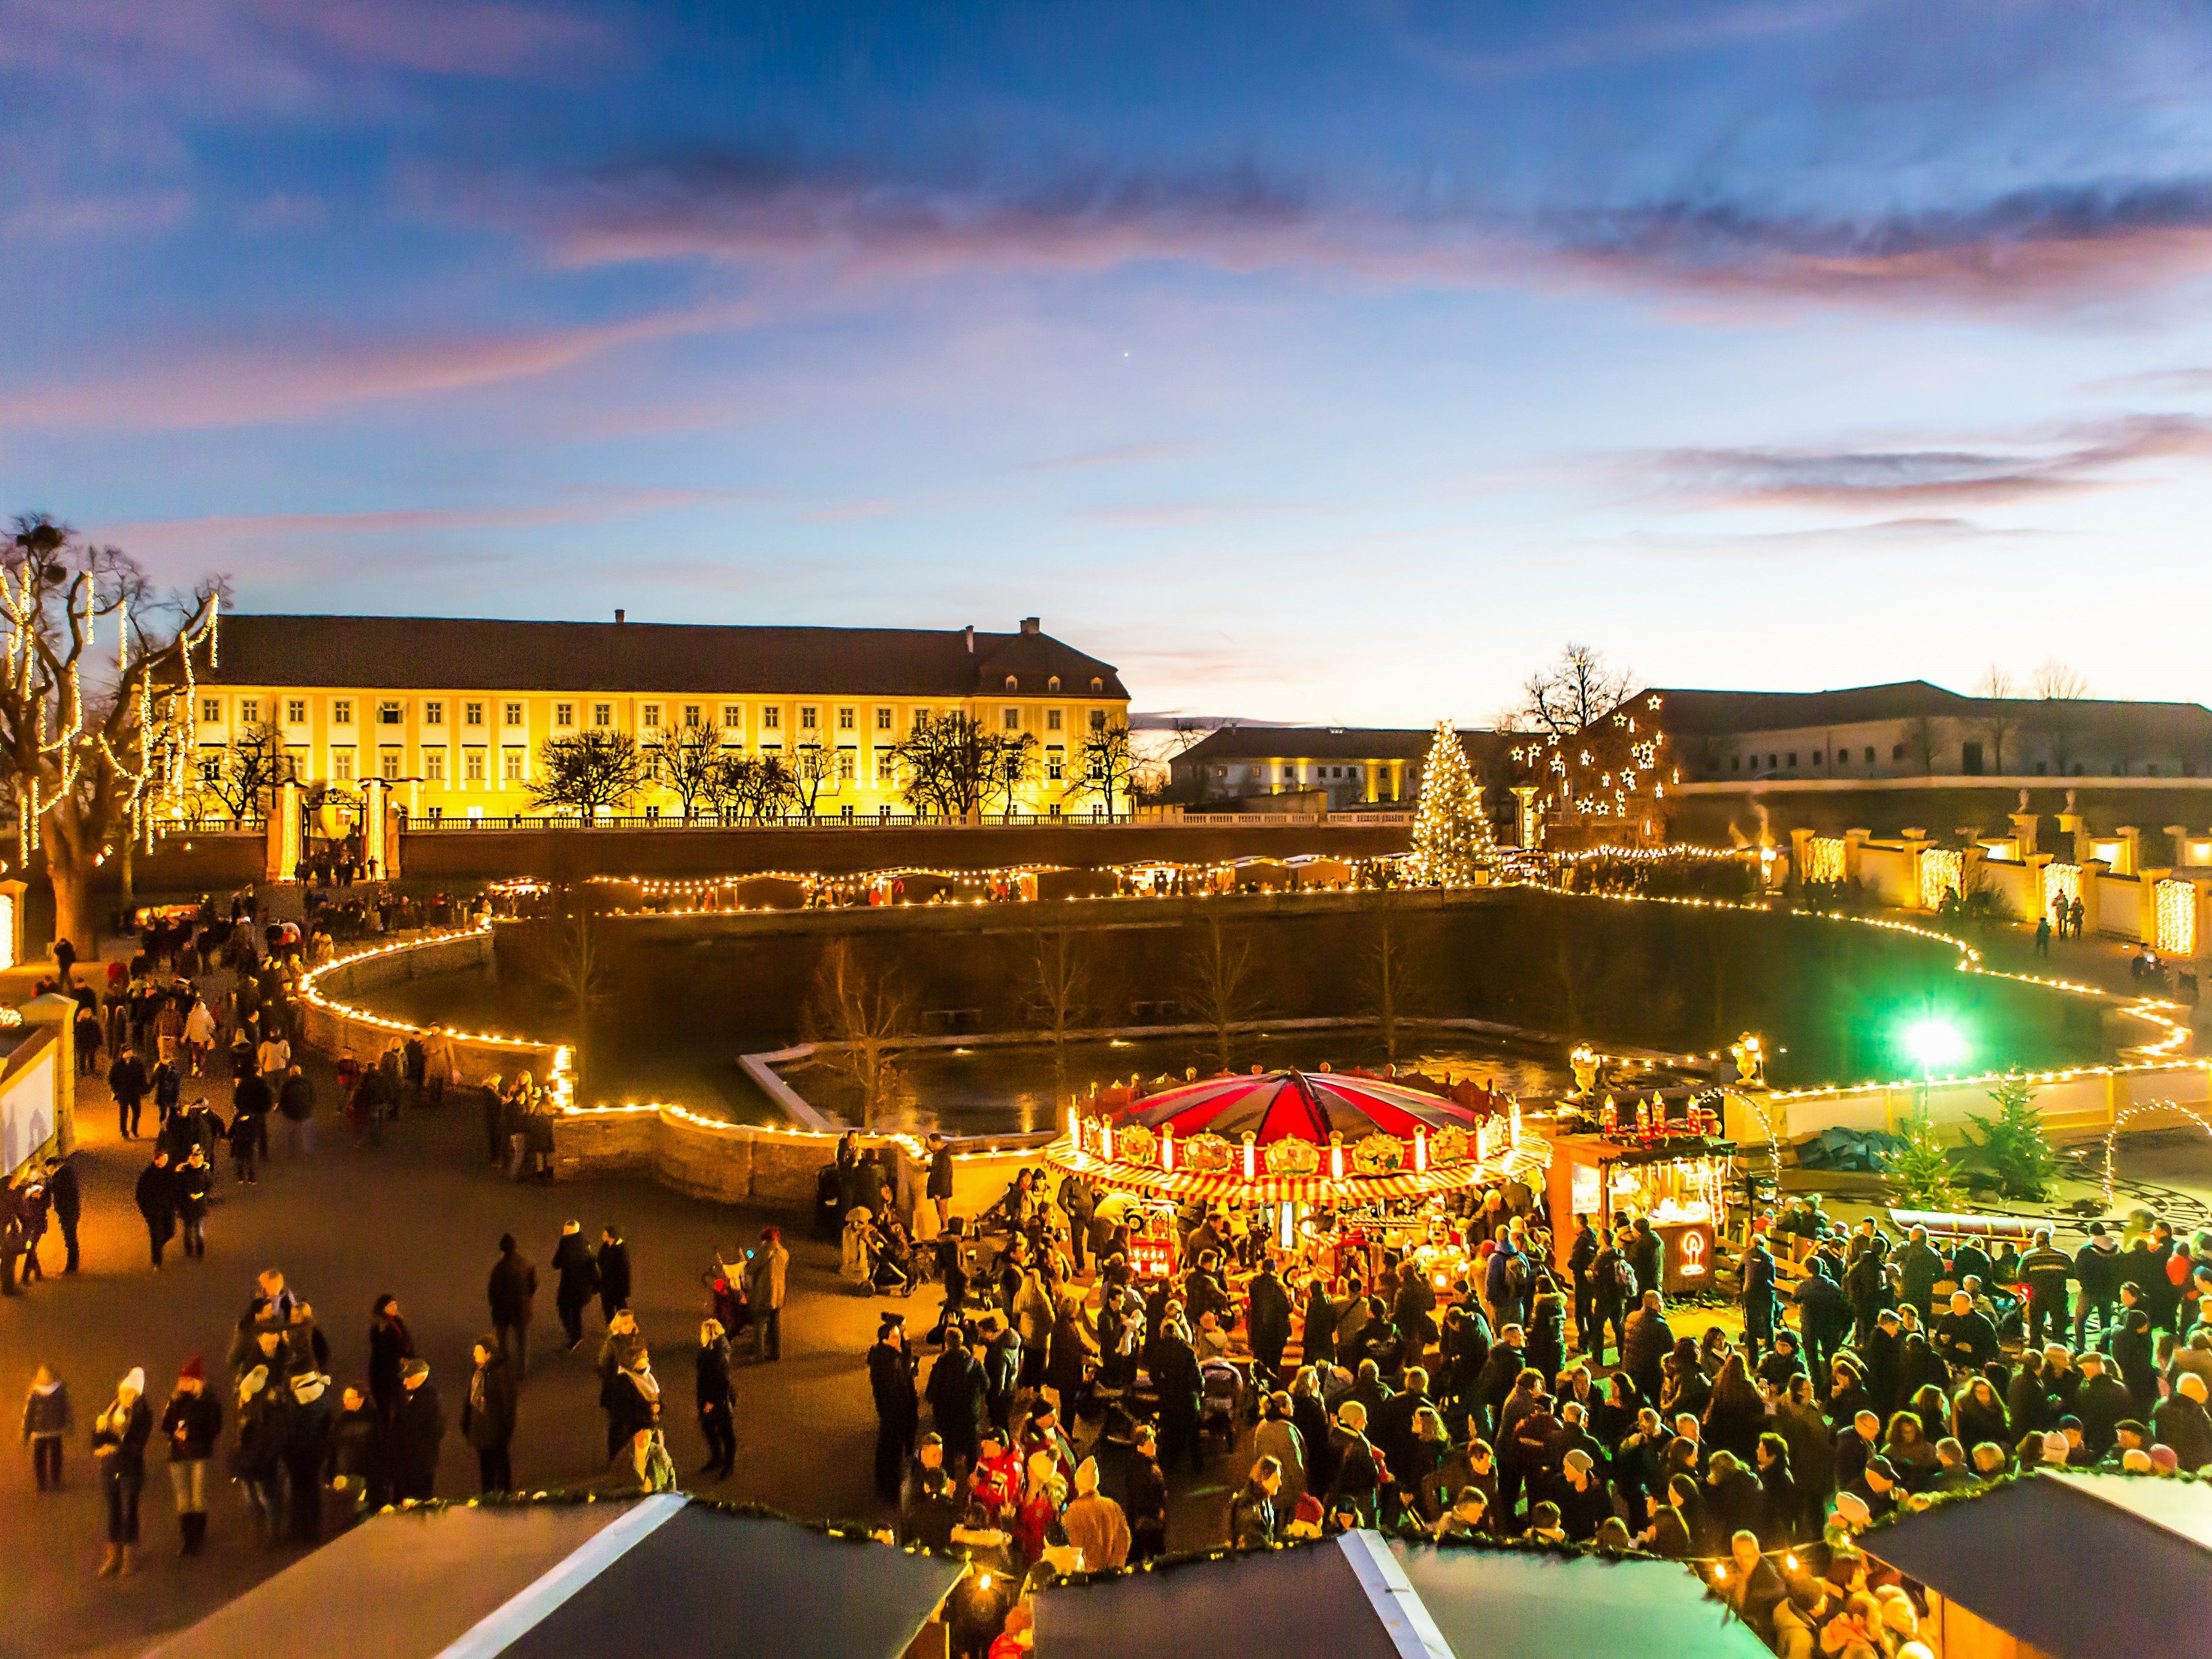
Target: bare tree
column 1389, row 983
column 245, row 774
column 1922, row 742
column 2053, row 680
column 860, row 1020
column 1013, row 762
column 1061, row 994
column 1105, row 765
column 754, row 789
column 1579, row 688
column 592, row 771
column 577, row 971
column 689, row 758
column 946, row 762
column 95, row 654
column 1221, row 984
column 813, row 771
column 2000, row 719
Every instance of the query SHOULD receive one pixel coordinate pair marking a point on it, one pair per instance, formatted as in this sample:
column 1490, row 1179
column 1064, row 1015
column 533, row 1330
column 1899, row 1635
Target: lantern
column 1420, row 1149
column 1251, row 1157
column 1167, row 1148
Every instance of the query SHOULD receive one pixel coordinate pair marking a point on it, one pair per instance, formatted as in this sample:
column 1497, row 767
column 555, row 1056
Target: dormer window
column 1053, row 685
column 1013, row 682
column 1097, row 685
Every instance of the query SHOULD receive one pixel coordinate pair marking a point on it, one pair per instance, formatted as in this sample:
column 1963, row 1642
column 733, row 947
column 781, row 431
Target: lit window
column 1097, row 685
column 1099, row 720
column 602, row 714
column 472, row 766
column 388, row 763
column 1052, row 720
column 1869, row 754
column 389, row 713
column 433, row 765
column 434, row 713
column 210, row 710
column 341, row 712
column 1054, row 759
column 295, row 711
column 733, row 717
column 564, row 715
column 341, row 765
column 511, row 765
column 883, row 768
column 883, row 720
column 1013, row 682
column 1012, row 719
column 691, row 714
column 473, row 714
column 515, row 713
column 844, row 720
column 249, row 711
column 771, row 718
column 809, row 718
column 651, row 719
column 845, row 765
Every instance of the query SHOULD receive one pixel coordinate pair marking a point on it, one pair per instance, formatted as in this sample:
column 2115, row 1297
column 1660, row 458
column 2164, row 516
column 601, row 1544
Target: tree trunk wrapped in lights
column 98, row 749
column 1451, row 831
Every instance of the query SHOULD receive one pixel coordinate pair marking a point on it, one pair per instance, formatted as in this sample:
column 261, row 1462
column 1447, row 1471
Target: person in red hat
column 191, row 1426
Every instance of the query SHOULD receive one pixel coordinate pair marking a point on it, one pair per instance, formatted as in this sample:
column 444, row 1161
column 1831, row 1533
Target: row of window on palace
column 512, row 714
column 1971, row 762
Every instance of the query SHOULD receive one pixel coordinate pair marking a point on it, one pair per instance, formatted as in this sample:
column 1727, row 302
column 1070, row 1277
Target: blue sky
column 1329, row 362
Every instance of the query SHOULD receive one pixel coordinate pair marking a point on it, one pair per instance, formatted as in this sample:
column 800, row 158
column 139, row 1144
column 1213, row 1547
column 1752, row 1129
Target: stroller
column 867, row 1264
column 1222, row 1410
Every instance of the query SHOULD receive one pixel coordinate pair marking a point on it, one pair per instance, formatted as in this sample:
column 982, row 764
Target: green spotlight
column 1935, row 1044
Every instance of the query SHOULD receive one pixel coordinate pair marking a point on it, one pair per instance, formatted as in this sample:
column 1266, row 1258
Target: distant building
column 1911, row 729
column 454, row 712
column 1353, row 766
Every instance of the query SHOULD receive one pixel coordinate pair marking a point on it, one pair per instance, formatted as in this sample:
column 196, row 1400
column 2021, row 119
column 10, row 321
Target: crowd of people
column 1565, row 1405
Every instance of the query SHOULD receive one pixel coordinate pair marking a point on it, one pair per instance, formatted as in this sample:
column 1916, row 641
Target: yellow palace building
column 451, row 714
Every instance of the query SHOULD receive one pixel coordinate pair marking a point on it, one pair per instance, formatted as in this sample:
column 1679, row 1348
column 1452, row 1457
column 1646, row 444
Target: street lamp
column 1934, row 1041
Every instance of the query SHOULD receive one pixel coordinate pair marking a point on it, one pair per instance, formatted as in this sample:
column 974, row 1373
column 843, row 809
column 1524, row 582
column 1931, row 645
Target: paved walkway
column 420, row 1218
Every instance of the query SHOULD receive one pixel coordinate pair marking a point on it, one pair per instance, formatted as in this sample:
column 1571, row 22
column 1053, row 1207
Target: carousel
column 1333, row 1161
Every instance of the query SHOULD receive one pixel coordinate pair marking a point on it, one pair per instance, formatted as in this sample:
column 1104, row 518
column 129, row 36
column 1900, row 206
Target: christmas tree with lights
column 1451, row 832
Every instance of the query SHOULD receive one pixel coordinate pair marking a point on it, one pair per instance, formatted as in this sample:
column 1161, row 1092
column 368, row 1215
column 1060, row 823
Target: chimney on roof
column 620, row 614
column 1032, row 625
column 969, row 631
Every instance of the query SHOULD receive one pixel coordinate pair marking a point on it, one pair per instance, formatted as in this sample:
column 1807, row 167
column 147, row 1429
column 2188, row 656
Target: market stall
column 1338, row 1164
column 1673, row 1176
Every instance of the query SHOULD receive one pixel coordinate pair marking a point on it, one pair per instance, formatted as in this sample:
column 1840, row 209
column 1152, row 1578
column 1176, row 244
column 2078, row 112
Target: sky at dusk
column 1310, row 362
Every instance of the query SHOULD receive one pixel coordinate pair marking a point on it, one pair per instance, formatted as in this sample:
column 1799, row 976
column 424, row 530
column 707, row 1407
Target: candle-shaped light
column 1420, row 1149
column 1167, row 1147
column 1251, row 1156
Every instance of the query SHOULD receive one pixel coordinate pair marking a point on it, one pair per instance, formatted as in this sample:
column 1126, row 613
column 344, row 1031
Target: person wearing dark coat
column 2101, row 1403
column 1648, row 1341
column 2179, row 1421
column 1144, row 1498
column 128, row 1083
column 1825, row 1317
column 1762, row 1306
column 890, row 1381
column 188, row 1184
column 1252, row 1512
column 1181, row 1386
column 192, row 1424
column 1268, row 1321
column 614, row 1272
column 307, row 1445
column 955, row 1392
column 512, row 1293
column 718, row 1403
column 418, row 1428
column 390, row 1348
column 1964, row 1336
column 119, row 1443
column 579, row 1278
column 67, row 1196
column 2133, row 1354
column 1318, row 1335
column 488, row 1416
column 356, row 1465
column 156, row 1194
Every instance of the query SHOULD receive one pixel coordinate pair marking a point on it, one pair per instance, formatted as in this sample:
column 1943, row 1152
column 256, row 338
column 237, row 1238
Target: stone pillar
column 2147, row 882
column 1801, row 855
column 2093, row 897
column 283, row 834
column 1915, row 842
column 1854, row 842
column 2037, row 899
column 2024, row 829
column 2130, row 850
column 2074, row 835
column 2176, row 836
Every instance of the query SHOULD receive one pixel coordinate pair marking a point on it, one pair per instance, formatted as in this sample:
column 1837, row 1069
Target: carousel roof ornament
column 1305, row 1137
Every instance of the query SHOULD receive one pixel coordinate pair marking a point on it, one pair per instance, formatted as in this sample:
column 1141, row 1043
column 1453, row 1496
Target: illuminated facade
column 454, row 713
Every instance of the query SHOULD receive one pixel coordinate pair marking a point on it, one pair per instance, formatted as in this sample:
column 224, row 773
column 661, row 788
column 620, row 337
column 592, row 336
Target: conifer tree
column 2013, row 1143
column 1451, row 831
column 1918, row 1174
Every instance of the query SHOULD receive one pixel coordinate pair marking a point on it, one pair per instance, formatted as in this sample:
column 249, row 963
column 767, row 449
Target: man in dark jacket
column 614, row 1272
column 954, row 1391
column 127, row 1081
column 1647, row 1343
column 67, row 1198
column 487, row 1415
column 2097, row 1266
column 156, row 1195
column 2101, row 1403
column 939, row 1189
column 513, row 1294
column 890, row 1382
column 1581, row 1258
column 1824, row 1317
column 1964, row 1336
column 418, row 1428
column 1918, row 1268
column 1268, row 1321
column 580, row 1278
column 1762, row 1307
column 314, row 1410
column 2046, row 1270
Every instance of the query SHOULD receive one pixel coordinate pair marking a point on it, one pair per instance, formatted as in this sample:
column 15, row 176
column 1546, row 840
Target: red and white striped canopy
column 1299, row 1105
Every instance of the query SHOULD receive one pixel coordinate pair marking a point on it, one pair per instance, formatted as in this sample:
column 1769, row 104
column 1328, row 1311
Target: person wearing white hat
column 119, row 1440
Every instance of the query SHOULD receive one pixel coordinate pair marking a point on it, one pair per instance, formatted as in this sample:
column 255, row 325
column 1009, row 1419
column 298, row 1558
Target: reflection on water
column 992, row 1090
